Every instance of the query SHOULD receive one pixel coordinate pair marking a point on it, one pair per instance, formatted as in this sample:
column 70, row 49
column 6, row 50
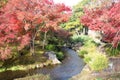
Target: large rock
column 51, row 56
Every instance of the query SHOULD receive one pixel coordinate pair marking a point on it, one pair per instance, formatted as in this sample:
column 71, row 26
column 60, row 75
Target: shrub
column 60, row 55
column 50, row 47
column 85, row 38
column 76, row 38
column 96, row 61
column 81, row 38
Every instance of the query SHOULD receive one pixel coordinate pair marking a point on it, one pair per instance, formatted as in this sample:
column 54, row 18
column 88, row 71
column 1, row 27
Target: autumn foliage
column 105, row 20
column 21, row 20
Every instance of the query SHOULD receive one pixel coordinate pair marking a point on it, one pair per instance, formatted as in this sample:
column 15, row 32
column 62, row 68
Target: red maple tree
column 21, row 20
column 105, row 20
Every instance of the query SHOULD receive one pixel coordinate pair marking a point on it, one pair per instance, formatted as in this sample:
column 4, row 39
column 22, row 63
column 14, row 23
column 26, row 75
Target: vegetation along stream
column 71, row 65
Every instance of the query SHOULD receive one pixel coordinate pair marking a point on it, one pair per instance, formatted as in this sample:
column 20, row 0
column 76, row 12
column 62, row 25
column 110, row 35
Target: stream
column 71, row 66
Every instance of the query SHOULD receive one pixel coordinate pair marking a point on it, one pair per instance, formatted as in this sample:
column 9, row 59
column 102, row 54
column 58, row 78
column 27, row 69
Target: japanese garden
column 45, row 40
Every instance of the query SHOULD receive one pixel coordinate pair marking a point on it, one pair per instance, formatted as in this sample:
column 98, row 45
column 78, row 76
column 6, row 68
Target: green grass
column 13, row 68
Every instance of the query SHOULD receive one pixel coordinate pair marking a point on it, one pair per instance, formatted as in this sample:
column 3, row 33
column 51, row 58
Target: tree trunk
column 32, row 47
column 44, row 40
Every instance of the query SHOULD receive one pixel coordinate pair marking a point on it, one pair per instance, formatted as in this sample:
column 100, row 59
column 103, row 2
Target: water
column 71, row 66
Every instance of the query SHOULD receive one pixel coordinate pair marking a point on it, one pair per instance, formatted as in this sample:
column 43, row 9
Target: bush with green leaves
column 76, row 38
column 80, row 38
column 50, row 47
column 96, row 61
column 60, row 55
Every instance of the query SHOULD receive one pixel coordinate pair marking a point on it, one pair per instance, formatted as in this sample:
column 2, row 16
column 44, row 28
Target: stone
column 51, row 56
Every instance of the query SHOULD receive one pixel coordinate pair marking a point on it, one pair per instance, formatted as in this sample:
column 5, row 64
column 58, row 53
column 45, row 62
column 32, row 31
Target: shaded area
column 10, row 75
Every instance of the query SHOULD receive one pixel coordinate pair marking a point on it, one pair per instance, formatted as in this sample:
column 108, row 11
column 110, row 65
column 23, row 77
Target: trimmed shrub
column 80, row 38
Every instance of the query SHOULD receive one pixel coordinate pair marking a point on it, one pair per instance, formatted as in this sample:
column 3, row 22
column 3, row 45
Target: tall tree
column 22, row 20
column 74, row 25
column 106, row 20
